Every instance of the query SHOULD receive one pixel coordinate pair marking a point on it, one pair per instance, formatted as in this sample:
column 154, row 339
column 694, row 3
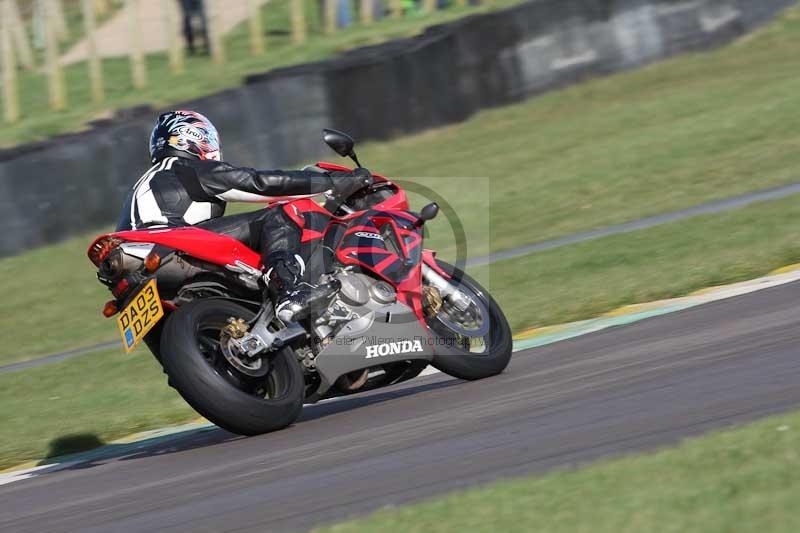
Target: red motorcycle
column 194, row 297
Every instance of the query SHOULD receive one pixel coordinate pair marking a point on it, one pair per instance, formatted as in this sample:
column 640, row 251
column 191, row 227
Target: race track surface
column 629, row 388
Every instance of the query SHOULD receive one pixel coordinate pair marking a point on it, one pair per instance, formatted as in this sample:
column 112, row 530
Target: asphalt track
column 628, row 388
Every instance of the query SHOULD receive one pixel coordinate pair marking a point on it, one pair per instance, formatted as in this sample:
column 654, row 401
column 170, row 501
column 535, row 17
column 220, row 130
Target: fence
column 42, row 31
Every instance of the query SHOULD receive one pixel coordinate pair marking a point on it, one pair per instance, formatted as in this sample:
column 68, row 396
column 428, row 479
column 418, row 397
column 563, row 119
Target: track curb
column 628, row 314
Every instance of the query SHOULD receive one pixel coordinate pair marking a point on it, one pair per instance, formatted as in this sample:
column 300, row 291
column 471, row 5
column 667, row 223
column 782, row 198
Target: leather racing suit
column 185, row 191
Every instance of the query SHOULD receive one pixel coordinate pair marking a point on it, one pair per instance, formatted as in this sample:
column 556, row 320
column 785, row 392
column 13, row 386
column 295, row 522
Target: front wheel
column 194, row 359
column 472, row 342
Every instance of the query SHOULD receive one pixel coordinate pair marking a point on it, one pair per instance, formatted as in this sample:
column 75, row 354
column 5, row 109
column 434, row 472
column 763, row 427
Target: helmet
column 185, row 131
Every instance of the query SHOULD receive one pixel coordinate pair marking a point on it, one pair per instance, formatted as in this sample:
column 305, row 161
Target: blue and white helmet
column 185, row 131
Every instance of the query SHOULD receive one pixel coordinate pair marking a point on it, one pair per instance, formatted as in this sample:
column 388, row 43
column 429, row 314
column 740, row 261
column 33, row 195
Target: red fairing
column 333, row 166
column 408, row 292
column 429, row 258
column 197, row 242
column 358, row 247
column 297, row 210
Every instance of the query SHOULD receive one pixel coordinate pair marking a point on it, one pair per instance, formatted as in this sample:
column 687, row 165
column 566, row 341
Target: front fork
column 450, row 292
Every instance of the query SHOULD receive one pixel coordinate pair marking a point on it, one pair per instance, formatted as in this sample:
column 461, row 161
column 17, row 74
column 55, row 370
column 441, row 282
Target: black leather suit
column 179, row 191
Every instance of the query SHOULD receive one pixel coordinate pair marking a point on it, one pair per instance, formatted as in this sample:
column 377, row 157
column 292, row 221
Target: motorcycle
column 391, row 308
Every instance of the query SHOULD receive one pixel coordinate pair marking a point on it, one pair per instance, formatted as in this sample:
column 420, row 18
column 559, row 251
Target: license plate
column 144, row 312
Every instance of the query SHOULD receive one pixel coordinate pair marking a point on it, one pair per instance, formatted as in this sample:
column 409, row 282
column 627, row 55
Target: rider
column 189, row 185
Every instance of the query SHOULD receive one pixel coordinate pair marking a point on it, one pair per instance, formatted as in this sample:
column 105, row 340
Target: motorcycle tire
column 460, row 363
column 213, row 387
column 153, row 340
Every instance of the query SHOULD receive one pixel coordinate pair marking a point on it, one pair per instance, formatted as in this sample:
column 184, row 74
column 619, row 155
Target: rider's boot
column 293, row 298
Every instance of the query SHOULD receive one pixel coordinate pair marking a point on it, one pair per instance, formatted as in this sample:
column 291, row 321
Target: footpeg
column 288, row 336
column 319, row 299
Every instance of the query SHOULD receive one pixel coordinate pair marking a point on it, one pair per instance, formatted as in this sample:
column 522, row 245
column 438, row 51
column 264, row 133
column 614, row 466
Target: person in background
column 194, row 19
column 344, row 13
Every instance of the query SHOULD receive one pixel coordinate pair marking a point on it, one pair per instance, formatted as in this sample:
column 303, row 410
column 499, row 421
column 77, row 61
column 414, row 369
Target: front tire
column 197, row 369
column 456, row 352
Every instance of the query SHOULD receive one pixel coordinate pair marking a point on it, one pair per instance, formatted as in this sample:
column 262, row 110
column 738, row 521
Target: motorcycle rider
column 189, row 185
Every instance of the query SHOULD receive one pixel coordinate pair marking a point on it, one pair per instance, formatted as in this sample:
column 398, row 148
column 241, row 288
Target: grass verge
column 740, row 480
column 584, row 280
column 88, row 400
column 110, row 394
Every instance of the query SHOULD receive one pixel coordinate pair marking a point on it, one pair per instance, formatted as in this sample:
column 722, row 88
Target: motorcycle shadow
column 356, row 401
column 209, row 437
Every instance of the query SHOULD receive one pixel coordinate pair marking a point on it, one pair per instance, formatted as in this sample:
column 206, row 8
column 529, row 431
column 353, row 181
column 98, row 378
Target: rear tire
column 153, row 340
column 498, row 343
column 213, row 387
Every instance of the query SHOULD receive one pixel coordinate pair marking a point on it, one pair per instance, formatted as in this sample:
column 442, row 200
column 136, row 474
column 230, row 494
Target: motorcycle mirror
column 340, row 142
column 428, row 212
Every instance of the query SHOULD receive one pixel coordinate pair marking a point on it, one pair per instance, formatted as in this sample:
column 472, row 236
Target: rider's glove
column 347, row 183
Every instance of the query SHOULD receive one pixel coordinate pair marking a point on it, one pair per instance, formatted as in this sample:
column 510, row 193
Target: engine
column 358, row 295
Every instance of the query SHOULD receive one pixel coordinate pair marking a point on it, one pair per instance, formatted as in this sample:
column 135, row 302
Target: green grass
column 97, row 397
column 584, row 280
column 202, row 77
column 739, row 480
column 694, row 129
column 51, row 301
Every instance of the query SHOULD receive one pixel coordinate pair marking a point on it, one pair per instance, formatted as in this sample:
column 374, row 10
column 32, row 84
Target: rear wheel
column 471, row 343
column 193, row 359
column 153, row 340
